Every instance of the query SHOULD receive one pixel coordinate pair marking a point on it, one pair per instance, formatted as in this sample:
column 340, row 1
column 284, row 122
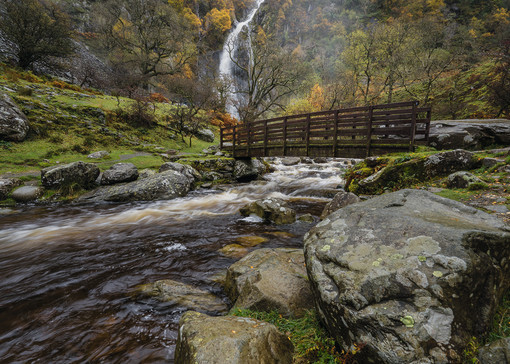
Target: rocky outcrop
column 80, row 173
column 7, row 185
column 184, row 169
column 270, row 209
column 404, row 273
column 119, row 173
column 469, row 134
column 183, row 295
column 227, row 168
column 340, row 200
column 162, row 186
column 13, row 123
column 246, row 170
column 270, row 279
column 206, row 135
column 27, row 193
column 235, row 340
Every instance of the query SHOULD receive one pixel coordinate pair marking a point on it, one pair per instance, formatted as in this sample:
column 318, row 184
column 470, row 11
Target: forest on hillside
column 303, row 56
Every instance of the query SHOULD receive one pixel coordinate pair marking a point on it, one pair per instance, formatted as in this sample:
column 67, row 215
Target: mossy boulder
column 270, row 209
column 13, row 123
column 235, row 340
column 7, row 185
column 404, row 274
column 79, row 173
column 119, row 173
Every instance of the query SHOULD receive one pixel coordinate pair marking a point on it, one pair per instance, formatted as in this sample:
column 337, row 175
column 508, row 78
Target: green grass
column 501, row 321
column 310, row 340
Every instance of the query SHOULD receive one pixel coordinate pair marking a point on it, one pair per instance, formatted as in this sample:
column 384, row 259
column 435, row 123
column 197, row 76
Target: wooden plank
column 308, row 136
column 266, row 136
column 413, row 129
column 284, row 137
column 369, row 130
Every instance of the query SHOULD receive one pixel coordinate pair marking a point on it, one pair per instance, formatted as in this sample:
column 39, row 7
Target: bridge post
column 234, row 141
column 427, row 130
column 308, row 135
column 413, row 127
column 335, row 140
column 369, row 129
column 285, row 136
column 248, row 147
column 266, row 132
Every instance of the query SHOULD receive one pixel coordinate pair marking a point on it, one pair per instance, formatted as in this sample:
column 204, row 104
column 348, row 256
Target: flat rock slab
column 404, row 274
column 183, row 295
column 270, row 279
column 230, row 340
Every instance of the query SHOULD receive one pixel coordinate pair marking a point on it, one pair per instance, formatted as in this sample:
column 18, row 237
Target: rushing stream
column 68, row 272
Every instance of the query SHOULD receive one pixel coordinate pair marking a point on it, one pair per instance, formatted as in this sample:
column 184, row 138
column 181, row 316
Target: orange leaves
column 218, row 20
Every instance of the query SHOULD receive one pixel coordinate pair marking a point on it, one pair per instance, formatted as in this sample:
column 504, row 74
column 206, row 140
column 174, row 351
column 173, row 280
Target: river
column 68, row 272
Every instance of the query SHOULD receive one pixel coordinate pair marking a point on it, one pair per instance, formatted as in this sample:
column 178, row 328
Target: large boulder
column 183, row 295
column 80, row 173
column 497, row 352
column 119, row 173
column 270, row 279
column 27, row 193
column 184, row 169
column 270, row 209
column 469, row 134
column 411, row 275
column 7, row 185
column 162, row 186
column 234, row 340
column 340, row 200
column 246, row 170
column 206, row 135
column 461, row 179
column 13, row 123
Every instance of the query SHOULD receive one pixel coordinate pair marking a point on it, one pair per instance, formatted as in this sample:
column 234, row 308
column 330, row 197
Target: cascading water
column 68, row 272
column 230, row 48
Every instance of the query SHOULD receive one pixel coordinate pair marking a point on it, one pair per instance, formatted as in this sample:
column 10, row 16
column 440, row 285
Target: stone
column 270, row 279
column 491, row 162
column 497, row 352
column 146, row 173
column 119, row 173
column 270, row 209
column 182, row 295
column 251, row 241
column 234, row 340
column 340, row 200
column 99, row 155
column 27, row 193
column 461, row 180
column 308, row 218
column 162, row 186
column 80, row 173
column 320, row 193
column 246, row 170
column 447, row 162
column 469, row 134
column 234, row 251
column 290, row 161
column 13, row 123
column 188, row 171
column 206, row 135
column 404, row 272
column 7, row 185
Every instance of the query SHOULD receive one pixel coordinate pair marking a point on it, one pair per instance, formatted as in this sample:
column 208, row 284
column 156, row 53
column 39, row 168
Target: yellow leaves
column 187, row 72
column 502, row 16
column 218, row 20
column 316, row 97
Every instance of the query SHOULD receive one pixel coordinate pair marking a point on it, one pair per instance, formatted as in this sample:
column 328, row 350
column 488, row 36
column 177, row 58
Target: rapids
column 68, row 271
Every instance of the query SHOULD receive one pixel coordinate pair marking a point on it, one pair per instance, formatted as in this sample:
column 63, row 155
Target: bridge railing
column 352, row 132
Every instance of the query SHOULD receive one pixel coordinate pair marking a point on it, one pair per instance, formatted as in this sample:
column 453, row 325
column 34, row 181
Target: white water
column 286, row 182
column 227, row 64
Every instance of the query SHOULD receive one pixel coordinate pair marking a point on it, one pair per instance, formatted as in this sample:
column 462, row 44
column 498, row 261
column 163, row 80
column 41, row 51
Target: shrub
column 157, row 97
column 25, row 91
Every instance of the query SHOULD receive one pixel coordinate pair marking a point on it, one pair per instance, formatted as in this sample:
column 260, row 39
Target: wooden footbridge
column 350, row 133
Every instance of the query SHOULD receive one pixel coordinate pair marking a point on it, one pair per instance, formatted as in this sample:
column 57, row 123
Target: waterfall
column 226, row 69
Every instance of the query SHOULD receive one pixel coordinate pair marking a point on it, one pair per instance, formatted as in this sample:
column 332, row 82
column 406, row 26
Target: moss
column 478, row 186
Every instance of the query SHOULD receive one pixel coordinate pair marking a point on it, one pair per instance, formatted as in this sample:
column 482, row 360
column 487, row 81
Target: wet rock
column 13, row 123
column 27, row 193
column 80, row 173
column 99, row 155
column 182, row 295
column 234, row 251
column 320, row 160
column 461, row 180
column 404, row 272
column 251, row 241
column 469, row 134
column 246, row 170
column 491, row 162
column 235, row 340
column 188, row 171
column 307, row 218
column 162, row 186
column 270, row 279
column 290, row 161
column 321, row 193
column 271, row 209
column 205, row 134
column 146, row 173
column 340, row 200
column 7, row 185
column 497, row 352
column 119, row 173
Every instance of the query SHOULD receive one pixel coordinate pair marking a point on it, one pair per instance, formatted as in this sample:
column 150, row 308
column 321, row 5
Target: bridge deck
column 350, row 133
